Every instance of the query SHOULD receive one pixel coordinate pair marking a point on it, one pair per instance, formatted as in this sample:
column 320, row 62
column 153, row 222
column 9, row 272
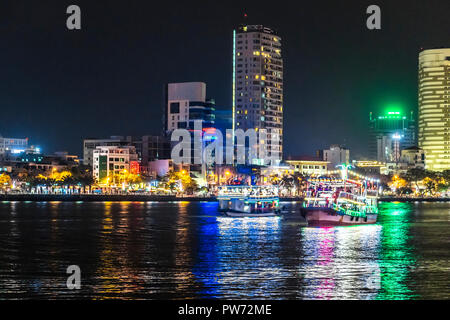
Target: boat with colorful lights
column 341, row 201
column 248, row 201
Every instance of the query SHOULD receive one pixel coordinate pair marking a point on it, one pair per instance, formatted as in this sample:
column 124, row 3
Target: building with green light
column 391, row 124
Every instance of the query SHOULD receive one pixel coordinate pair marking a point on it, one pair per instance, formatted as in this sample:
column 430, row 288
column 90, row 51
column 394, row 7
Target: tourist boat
column 248, row 201
column 340, row 201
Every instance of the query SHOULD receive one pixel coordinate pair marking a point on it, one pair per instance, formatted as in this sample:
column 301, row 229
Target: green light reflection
column 397, row 256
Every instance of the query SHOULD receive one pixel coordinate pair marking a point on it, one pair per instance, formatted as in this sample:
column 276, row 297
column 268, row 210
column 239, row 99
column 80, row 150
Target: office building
column 258, row 83
column 434, row 107
column 89, row 145
column 389, row 124
column 388, row 148
column 148, row 148
column 185, row 103
column 336, row 155
column 151, row 148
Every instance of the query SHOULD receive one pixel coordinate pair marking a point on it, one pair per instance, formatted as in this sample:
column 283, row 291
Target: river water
column 185, row 250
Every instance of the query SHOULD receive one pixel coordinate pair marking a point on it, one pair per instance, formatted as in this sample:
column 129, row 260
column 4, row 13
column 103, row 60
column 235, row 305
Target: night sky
column 59, row 86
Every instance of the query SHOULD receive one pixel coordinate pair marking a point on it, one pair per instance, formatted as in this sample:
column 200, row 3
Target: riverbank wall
column 161, row 198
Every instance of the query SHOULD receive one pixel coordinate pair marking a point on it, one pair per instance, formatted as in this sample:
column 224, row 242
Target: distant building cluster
column 19, row 158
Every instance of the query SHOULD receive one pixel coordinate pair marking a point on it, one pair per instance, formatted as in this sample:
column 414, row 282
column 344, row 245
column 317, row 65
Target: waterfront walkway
column 109, row 197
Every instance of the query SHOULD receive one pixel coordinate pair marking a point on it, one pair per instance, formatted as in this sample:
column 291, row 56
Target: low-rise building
column 89, row 145
column 414, row 157
column 309, row 166
column 398, row 168
column 148, row 148
column 109, row 161
column 370, row 167
column 278, row 170
column 411, row 158
column 13, row 145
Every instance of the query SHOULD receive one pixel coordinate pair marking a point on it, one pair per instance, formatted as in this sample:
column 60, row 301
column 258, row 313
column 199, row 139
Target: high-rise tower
column 258, row 83
column 434, row 108
column 386, row 126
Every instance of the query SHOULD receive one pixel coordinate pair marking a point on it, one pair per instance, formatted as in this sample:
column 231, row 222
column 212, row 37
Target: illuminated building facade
column 309, row 166
column 148, row 147
column 391, row 125
column 89, row 145
column 434, row 107
column 258, row 83
column 13, row 145
column 110, row 161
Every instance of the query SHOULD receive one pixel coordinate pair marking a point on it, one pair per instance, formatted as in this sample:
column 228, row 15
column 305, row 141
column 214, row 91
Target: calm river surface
column 179, row 250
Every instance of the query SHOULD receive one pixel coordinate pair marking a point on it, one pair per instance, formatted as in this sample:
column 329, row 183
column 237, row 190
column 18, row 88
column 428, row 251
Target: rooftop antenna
column 245, row 18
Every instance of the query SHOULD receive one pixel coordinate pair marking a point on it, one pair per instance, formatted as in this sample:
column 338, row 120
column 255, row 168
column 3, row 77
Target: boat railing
column 319, row 199
column 348, row 196
column 247, row 191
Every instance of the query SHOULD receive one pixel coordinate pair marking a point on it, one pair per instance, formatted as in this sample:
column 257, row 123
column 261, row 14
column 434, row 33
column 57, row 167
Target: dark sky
column 59, row 86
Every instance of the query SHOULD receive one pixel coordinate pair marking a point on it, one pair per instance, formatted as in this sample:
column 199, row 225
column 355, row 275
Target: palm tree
column 274, row 179
column 299, row 180
column 287, row 182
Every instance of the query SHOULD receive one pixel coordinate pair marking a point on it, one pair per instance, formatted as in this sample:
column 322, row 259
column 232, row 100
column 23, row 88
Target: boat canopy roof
column 248, row 191
column 332, row 182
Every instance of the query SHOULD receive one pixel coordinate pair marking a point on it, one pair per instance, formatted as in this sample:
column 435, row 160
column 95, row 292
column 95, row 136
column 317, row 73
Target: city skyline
column 345, row 71
column 218, row 156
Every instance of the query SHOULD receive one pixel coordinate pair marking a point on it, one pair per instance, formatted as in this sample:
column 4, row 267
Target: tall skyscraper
column 258, row 83
column 434, row 108
column 391, row 125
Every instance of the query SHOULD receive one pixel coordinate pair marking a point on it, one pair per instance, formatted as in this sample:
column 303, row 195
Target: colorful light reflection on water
column 176, row 250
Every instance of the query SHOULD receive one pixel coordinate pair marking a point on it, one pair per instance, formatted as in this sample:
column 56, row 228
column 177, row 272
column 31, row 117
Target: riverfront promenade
column 111, row 197
column 148, row 197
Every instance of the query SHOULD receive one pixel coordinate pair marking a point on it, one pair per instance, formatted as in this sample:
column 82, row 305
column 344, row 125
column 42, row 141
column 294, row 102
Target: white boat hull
column 247, row 214
column 323, row 217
